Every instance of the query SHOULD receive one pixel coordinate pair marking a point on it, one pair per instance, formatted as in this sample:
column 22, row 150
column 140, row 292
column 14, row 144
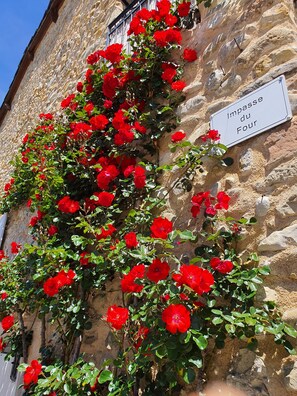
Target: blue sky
column 19, row 20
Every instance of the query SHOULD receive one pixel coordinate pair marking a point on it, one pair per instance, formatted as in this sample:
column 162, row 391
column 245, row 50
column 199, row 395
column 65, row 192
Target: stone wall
column 59, row 62
column 242, row 44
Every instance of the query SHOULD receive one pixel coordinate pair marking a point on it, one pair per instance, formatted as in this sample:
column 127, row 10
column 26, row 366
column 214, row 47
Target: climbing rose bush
column 92, row 180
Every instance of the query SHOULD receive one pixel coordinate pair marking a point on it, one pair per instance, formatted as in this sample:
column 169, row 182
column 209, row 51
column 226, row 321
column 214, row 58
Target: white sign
column 263, row 109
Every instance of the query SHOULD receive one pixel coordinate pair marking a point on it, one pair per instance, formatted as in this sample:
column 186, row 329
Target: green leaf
column 189, row 375
column 105, row 376
column 201, row 342
column 161, row 351
column 290, row 331
column 217, row 320
column 197, row 362
column 67, row 388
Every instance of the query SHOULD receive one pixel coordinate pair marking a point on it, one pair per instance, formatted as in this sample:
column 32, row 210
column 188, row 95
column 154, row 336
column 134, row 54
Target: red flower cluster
column 158, row 270
column 213, row 134
column 139, row 175
column 184, row 8
column 98, row 122
column 211, row 204
column 177, row 136
column 189, row 55
column 177, row 318
column 117, row 316
column 15, row 247
column 169, row 36
column 68, row 205
column 53, row 285
column 131, row 240
column 106, row 233
column 31, row 373
column 161, row 227
column 222, row 266
column 141, row 335
column 67, row 101
column 128, row 283
column 7, row 322
column 52, row 230
column 47, row 116
column 198, row 279
column 106, row 176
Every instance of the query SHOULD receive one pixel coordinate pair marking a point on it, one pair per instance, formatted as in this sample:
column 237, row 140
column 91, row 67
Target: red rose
column 160, row 37
column 158, row 270
column 168, row 74
column 189, row 55
column 178, row 85
column 65, row 278
column 104, row 198
column 131, row 240
column 15, row 247
column 52, row 230
column 128, row 283
column 178, row 136
column 173, row 36
column 198, row 279
column 113, row 53
column 84, row 258
column 117, row 316
column 51, row 286
column 106, row 176
column 107, row 104
column 94, row 57
column 33, row 221
column 223, row 200
column 106, row 233
column 67, row 205
column 98, row 122
column 110, row 84
column 177, row 318
column 161, row 227
column 139, row 177
column 197, row 200
column 213, row 134
column 184, row 8
column 163, row 7
column 222, row 266
column 79, row 86
column 4, row 296
column 136, row 27
column 7, row 322
column 170, row 20
column 66, row 102
column 47, row 116
column 140, row 336
column 139, row 128
column 144, row 14
column 32, row 372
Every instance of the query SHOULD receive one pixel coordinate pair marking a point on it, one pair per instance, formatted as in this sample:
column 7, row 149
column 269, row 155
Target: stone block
column 289, row 369
column 190, row 106
column 279, row 240
column 246, row 162
column 287, row 68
